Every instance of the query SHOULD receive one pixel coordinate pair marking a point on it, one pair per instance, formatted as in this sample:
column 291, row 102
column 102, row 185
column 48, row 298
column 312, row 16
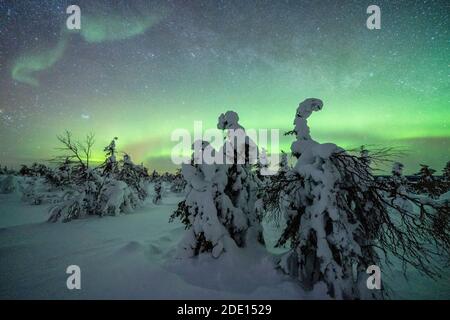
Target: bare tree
column 76, row 151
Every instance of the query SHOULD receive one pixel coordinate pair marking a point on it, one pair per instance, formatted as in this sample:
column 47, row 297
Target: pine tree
column 426, row 182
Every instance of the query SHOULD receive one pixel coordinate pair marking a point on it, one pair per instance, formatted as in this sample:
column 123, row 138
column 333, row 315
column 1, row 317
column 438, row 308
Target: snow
column 8, row 184
column 14, row 212
column 127, row 256
column 133, row 256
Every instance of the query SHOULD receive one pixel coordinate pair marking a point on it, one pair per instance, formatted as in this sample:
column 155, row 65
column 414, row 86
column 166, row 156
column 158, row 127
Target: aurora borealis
column 140, row 69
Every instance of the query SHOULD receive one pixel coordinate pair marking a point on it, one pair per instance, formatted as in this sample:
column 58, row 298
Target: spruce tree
column 329, row 244
column 241, row 155
column 427, row 183
column 158, row 190
column 220, row 211
column 338, row 214
column 399, row 186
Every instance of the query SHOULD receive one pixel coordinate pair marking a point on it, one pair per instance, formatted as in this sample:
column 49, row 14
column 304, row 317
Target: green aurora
column 139, row 72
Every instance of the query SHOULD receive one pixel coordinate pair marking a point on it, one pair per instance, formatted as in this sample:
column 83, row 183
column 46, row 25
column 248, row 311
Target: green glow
column 146, row 134
column 382, row 88
column 27, row 65
column 116, row 27
column 95, row 29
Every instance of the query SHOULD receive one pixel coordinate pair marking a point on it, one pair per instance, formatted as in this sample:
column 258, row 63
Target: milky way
column 140, row 69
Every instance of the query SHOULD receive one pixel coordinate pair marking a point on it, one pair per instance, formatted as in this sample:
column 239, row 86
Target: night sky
column 140, row 69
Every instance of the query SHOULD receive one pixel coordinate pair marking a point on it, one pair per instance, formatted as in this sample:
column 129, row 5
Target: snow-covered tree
column 242, row 182
column 364, row 155
column 8, row 184
column 61, row 176
column 337, row 215
column 24, row 170
column 79, row 201
column 397, row 170
column 116, row 197
column 154, row 176
column 35, row 170
column 134, row 176
column 284, row 163
column 326, row 241
column 220, row 210
column 111, row 189
column 39, row 169
column 427, row 183
column 213, row 224
column 446, row 177
column 158, row 192
column 123, row 186
column 110, row 166
column 399, row 186
column 167, row 177
column 178, row 183
column 262, row 166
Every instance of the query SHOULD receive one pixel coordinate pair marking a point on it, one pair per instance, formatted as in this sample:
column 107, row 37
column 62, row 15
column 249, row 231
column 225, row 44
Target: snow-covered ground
column 129, row 256
column 132, row 257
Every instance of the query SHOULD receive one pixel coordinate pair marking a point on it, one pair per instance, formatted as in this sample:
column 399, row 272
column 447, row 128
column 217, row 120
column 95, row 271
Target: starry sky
column 140, row 69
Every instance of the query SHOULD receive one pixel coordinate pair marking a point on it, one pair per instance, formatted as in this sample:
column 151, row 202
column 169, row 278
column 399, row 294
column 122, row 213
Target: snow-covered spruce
column 35, row 170
column 37, row 190
column 427, row 183
column 134, row 176
column 399, row 186
column 284, row 163
column 178, row 183
column 446, row 178
column 242, row 183
column 154, row 176
column 158, row 192
column 329, row 244
column 8, row 184
column 338, row 214
column 262, row 167
column 78, row 201
column 110, row 166
column 62, row 175
column 208, row 230
column 220, row 211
